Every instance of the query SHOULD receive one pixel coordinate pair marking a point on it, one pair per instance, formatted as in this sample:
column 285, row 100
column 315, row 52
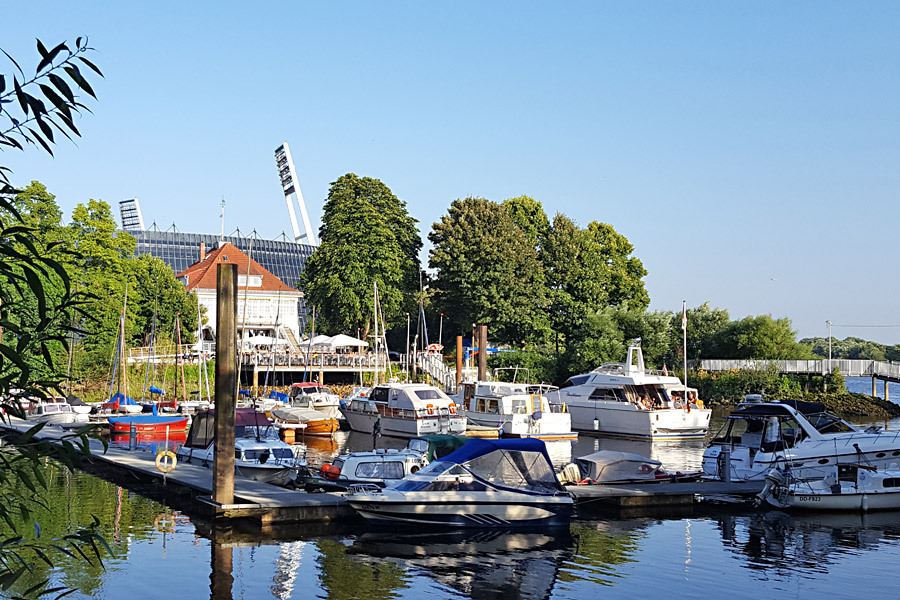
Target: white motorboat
column 516, row 409
column 259, row 454
column 486, row 483
column 853, row 487
column 629, row 400
column 53, row 411
column 404, row 410
column 316, row 396
column 379, row 467
column 761, row 436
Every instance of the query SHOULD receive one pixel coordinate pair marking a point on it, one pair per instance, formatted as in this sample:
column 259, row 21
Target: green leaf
column 91, row 65
column 75, row 75
column 62, row 86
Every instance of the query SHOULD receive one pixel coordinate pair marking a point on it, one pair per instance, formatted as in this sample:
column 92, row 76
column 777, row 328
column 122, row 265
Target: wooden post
column 887, row 397
column 874, row 386
column 482, row 352
column 226, row 383
column 459, row 361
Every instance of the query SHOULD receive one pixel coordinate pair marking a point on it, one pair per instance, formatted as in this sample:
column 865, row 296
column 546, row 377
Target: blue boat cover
column 479, row 447
column 244, row 392
column 280, row 396
column 156, row 390
column 123, row 399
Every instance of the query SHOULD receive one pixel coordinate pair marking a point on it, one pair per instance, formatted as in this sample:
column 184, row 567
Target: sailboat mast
column 375, row 319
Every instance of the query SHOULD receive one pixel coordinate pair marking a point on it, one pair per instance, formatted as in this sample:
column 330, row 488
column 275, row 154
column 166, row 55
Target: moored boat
column 259, row 454
column 148, row 424
column 515, row 409
column 486, row 483
column 629, row 400
column 404, row 410
column 306, row 420
column 849, row 487
column 802, row 436
column 53, row 411
column 316, row 396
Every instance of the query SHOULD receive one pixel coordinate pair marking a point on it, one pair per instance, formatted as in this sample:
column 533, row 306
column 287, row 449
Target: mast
column 375, row 319
column 684, row 333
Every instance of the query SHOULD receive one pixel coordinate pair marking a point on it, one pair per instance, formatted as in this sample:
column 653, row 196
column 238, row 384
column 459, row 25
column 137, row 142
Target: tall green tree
column 101, row 271
column 366, row 237
column 626, row 272
column 487, row 272
column 576, row 276
column 529, row 216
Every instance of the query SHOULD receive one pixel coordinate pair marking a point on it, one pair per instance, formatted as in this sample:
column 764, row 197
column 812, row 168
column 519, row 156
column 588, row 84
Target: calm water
column 161, row 553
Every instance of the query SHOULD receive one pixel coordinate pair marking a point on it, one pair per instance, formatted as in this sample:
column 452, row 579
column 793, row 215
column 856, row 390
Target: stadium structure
column 283, row 257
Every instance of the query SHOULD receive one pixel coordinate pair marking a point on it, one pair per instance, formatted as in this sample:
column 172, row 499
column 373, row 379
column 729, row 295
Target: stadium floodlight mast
column 291, row 186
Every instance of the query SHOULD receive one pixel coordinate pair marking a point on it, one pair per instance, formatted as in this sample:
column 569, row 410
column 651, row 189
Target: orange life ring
column 452, row 408
column 430, row 409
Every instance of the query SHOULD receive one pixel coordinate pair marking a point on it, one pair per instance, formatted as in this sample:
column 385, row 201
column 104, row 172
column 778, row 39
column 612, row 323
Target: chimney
column 202, row 250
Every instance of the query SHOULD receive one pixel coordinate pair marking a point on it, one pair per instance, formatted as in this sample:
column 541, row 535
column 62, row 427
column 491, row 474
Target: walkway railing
column 848, row 367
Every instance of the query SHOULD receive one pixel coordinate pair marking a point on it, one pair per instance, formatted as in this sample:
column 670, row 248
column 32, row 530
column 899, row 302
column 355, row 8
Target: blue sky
column 749, row 151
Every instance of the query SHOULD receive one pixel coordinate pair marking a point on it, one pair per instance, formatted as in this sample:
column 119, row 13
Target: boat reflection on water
column 807, row 543
column 478, row 563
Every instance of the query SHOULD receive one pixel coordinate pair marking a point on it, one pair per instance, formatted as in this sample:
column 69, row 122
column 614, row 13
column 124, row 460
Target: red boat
column 148, row 424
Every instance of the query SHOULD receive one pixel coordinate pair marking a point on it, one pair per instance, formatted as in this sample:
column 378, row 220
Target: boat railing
column 363, row 488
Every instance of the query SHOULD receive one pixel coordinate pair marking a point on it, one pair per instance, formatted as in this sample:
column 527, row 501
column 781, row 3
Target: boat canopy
column 779, row 409
column 203, row 427
column 156, row 390
column 609, row 465
column 519, row 464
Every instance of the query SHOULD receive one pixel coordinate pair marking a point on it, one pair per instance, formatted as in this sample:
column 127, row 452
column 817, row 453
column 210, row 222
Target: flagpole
column 684, row 333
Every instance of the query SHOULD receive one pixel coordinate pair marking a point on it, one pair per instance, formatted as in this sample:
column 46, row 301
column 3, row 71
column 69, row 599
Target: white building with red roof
column 271, row 305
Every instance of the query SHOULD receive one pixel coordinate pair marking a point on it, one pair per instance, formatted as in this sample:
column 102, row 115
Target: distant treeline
column 852, row 347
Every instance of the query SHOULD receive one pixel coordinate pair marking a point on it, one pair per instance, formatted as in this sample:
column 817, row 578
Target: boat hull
column 624, row 419
column 552, row 426
column 147, row 424
column 461, row 510
column 405, row 427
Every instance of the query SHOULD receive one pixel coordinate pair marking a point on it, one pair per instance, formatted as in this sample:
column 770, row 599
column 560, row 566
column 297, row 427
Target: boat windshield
column 428, row 395
column 826, row 423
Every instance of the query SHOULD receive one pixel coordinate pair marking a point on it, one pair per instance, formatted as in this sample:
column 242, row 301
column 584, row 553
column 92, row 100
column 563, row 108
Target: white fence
column 848, row 368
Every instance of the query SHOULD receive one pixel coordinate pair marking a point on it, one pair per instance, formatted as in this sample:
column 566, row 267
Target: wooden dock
column 191, row 485
column 267, row 504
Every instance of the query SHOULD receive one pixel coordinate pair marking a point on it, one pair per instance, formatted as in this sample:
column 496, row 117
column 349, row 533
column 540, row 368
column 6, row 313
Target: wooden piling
column 226, row 383
column 482, row 352
column 459, row 361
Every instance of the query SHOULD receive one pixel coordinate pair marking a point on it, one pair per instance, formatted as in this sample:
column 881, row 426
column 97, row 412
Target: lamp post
column 441, row 333
column 828, row 323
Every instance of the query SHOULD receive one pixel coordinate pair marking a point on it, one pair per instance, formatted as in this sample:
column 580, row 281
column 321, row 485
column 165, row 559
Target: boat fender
column 166, row 461
column 452, row 408
column 330, row 471
column 865, row 503
column 430, row 409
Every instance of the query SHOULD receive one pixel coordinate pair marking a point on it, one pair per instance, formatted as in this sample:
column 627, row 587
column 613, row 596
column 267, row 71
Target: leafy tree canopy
column 488, row 272
column 529, row 216
column 366, row 237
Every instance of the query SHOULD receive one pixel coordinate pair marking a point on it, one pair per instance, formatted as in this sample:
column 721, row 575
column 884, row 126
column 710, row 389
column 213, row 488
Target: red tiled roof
column 202, row 274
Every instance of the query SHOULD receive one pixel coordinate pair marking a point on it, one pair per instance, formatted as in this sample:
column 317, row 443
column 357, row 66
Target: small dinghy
column 855, row 487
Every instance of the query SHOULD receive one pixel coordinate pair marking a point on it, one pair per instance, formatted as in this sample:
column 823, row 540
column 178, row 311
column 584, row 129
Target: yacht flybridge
column 629, row 400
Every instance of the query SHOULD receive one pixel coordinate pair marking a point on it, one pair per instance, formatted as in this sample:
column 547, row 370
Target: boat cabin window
column 493, row 406
column 521, row 406
column 380, row 470
column 607, row 395
column 380, row 394
column 741, row 431
column 428, row 395
column 480, row 404
column 577, row 380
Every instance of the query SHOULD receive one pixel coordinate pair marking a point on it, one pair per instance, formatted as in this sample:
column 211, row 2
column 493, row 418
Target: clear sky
column 749, row 151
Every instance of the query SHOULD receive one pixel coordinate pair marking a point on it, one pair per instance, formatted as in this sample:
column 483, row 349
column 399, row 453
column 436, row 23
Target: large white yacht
column 628, row 400
column 404, row 410
column 800, row 436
